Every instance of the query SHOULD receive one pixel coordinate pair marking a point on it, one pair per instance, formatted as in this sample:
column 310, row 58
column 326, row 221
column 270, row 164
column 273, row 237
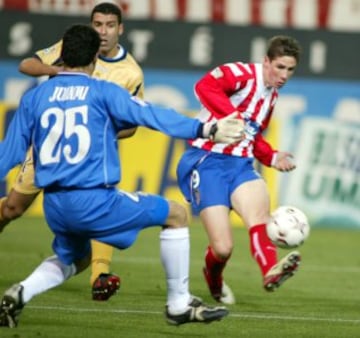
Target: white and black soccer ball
column 288, row 227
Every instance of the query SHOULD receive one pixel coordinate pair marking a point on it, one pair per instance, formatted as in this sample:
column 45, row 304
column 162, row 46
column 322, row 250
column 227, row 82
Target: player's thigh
column 130, row 214
column 70, row 243
column 142, row 209
column 203, row 179
column 251, row 201
column 107, row 215
column 209, row 186
column 72, row 248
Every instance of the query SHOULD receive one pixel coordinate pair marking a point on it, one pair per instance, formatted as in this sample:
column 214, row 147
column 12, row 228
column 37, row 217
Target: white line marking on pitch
column 197, row 262
column 237, row 315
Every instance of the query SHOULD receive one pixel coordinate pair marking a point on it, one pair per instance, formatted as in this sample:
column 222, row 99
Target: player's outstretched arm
column 34, row 67
column 129, row 111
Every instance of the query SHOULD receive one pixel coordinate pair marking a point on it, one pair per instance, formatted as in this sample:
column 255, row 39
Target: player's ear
column 121, row 29
column 266, row 60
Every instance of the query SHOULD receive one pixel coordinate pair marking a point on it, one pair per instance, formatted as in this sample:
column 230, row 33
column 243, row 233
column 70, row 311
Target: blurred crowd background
column 175, row 41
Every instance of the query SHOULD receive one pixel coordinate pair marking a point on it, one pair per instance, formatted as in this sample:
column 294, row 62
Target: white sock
column 49, row 274
column 175, row 256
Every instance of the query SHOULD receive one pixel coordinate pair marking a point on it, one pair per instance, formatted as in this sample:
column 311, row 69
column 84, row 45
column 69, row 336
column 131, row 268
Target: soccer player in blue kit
column 72, row 121
column 114, row 64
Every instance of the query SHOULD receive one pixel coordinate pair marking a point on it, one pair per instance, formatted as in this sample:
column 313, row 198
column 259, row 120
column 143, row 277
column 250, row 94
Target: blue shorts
column 107, row 215
column 207, row 179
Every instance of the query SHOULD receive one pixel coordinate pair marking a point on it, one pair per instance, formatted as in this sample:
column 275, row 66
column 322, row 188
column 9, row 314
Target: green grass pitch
column 322, row 300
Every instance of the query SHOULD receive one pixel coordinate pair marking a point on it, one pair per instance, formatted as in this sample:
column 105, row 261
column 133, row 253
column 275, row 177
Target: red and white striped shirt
column 237, row 87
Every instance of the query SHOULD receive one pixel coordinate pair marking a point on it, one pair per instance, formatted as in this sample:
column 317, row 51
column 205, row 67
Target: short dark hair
column 107, row 8
column 282, row 45
column 80, row 45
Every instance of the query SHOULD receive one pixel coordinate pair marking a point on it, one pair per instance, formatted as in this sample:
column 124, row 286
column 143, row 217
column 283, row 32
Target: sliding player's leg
column 181, row 307
column 140, row 211
column 49, row 274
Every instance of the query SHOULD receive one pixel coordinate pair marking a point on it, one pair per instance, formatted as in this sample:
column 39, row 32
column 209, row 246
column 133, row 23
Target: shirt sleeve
column 215, row 88
column 129, row 110
column 50, row 55
column 17, row 140
column 263, row 151
column 136, row 87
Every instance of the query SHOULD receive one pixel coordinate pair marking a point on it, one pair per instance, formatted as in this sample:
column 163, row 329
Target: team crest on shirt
column 217, row 73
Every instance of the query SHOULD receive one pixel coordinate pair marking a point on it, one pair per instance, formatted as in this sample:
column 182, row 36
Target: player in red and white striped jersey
column 217, row 178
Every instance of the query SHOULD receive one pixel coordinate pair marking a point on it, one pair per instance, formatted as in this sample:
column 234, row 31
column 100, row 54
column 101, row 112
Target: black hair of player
column 282, row 45
column 80, row 46
column 107, row 8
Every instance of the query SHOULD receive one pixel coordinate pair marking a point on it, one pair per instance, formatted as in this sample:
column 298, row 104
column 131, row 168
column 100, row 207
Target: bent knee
column 177, row 216
column 222, row 250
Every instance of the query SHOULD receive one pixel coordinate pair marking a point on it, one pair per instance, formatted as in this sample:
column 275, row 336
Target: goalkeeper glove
column 229, row 129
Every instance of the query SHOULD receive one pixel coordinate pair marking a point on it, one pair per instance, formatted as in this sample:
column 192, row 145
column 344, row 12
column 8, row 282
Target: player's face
column 109, row 30
column 279, row 70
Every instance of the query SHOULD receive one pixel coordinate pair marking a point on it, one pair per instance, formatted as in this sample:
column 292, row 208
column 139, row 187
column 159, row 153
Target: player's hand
column 229, row 129
column 283, row 161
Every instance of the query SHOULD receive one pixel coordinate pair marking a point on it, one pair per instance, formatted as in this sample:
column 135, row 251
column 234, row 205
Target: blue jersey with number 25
column 72, row 121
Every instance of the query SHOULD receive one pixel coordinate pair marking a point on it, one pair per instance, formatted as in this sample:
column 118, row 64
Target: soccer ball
column 288, row 227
